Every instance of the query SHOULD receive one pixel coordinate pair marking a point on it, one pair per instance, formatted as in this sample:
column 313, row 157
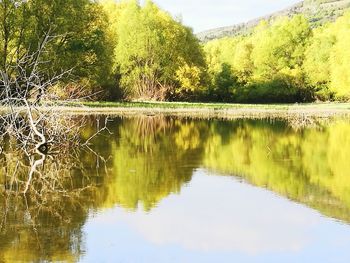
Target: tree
column 265, row 66
column 83, row 44
column 189, row 79
column 78, row 27
column 327, row 60
column 242, row 61
column 151, row 48
column 14, row 26
column 317, row 61
column 279, row 50
column 222, row 76
column 340, row 58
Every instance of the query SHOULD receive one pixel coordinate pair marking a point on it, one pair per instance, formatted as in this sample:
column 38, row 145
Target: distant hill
column 317, row 11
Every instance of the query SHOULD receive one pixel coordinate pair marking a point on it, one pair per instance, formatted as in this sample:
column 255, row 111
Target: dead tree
column 37, row 128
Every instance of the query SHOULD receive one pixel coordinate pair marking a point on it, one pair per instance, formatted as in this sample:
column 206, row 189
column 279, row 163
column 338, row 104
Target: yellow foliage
column 340, row 58
column 189, row 78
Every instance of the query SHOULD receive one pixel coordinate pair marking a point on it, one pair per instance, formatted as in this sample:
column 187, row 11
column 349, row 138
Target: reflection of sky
column 217, row 219
column 208, row 14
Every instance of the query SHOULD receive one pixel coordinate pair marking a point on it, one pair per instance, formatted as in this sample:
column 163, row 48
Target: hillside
column 317, row 11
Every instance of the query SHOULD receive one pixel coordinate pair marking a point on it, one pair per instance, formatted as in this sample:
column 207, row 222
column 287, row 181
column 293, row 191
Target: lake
column 166, row 189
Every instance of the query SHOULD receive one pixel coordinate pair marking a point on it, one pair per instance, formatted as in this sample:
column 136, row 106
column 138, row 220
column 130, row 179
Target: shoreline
column 211, row 110
column 202, row 110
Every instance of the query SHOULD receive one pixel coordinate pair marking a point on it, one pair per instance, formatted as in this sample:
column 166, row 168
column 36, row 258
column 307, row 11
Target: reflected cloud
column 225, row 215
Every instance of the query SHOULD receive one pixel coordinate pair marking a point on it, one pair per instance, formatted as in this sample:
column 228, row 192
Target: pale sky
column 207, row 14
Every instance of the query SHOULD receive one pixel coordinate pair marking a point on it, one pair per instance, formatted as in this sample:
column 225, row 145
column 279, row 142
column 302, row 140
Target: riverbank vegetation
column 128, row 51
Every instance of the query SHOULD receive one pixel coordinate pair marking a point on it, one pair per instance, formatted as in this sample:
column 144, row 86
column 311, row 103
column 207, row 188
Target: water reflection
column 148, row 159
column 308, row 165
column 153, row 158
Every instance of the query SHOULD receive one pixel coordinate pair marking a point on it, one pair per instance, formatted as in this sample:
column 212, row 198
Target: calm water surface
column 162, row 189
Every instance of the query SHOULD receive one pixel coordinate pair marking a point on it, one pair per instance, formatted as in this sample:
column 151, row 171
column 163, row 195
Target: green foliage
column 265, row 92
column 285, row 61
column 142, row 52
column 220, row 68
column 327, row 60
column 242, row 61
column 264, row 67
column 317, row 61
column 14, row 26
column 158, row 57
column 76, row 29
column 279, row 50
column 340, row 58
column 189, row 79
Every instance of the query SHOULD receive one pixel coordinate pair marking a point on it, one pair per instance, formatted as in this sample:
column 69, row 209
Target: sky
column 208, row 14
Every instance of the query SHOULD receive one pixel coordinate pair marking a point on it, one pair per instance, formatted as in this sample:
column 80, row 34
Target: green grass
column 219, row 106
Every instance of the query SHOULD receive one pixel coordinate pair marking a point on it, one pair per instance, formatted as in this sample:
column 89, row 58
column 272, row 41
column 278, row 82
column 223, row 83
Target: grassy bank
column 178, row 107
column 215, row 106
column 208, row 110
column 298, row 112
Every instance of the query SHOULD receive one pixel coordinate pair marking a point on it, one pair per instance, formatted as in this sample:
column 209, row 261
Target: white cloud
column 216, row 219
column 220, row 214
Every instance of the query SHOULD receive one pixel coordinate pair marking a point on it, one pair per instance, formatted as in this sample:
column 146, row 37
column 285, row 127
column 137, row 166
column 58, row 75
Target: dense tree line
column 134, row 51
column 285, row 61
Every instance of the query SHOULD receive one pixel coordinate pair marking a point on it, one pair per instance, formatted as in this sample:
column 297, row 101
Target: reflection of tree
column 151, row 157
column 46, row 220
column 45, row 199
column 308, row 165
column 152, row 160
